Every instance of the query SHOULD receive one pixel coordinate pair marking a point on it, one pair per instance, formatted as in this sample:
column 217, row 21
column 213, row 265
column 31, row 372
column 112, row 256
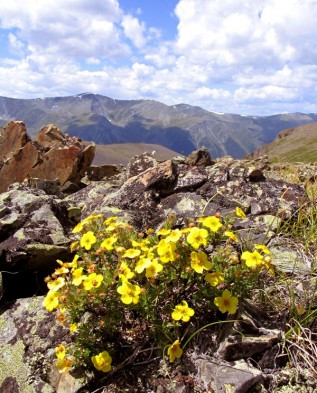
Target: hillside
column 182, row 128
column 121, row 153
column 297, row 144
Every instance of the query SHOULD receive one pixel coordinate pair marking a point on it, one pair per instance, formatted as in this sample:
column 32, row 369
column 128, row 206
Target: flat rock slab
column 227, row 377
column 28, row 335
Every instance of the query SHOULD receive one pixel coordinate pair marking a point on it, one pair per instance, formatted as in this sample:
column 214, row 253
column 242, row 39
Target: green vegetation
column 131, row 298
column 154, row 290
column 295, row 145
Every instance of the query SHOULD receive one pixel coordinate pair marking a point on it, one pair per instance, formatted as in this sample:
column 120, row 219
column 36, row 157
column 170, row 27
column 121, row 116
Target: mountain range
column 182, row 128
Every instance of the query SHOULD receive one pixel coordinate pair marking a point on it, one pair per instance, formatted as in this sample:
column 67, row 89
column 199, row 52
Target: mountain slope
column 297, row 144
column 181, row 128
column 121, row 153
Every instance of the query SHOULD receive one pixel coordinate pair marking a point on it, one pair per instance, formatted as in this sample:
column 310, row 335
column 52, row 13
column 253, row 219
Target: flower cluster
column 116, row 269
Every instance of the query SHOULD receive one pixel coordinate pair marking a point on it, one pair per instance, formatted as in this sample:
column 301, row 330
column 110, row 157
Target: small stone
column 256, row 175
column 200, row 157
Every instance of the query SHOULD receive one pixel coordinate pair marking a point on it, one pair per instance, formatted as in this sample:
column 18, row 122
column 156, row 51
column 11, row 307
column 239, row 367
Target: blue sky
column 256, row 57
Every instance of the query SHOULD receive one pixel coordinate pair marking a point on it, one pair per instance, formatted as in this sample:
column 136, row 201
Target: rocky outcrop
column 35, row 230
column 35, row 225
column 175, row 187
column 51, row 156
column 28, row 335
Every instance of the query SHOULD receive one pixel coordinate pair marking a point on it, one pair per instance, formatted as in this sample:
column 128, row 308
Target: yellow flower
column 150, row 254
column 92, row 218
column 74, row 264
column 78, row 276
column 240, row 213
column 110, row 220
column 57, row 284
column 197, row 237
column 213, row 223
column 182, row 312
column 142, row 264
column 64, row 364
column 252, row 259
column 125, row 272
column 163, row 232
column 102, row 362
column 108, row 243
column 199, row 261
column 67, row 264
column 62, row 309
column 111, row 227
column 174, row 351
column 263, row 248
column 129, row 293
column 51, row 300
column 215, row 278
column 144, row 246
column 227, row 302
column 60, row 352
column 93, row 281
column 174, row 236
column 131, row 253
column 87, row 240
column 267, row 262
column 231, row 236
column 74, row 246
column 166, row 251
column 61, row 270
column 154, row 268
column 79, row 227
column 73, row 328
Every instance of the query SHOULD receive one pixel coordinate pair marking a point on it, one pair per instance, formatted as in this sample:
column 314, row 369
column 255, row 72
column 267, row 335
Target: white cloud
column 16, row 46
column 252, row 32
column 272, row 93
column 214, row 94
column 161, row 56
column 66, row 28
column 134, row 30
column 252, row 57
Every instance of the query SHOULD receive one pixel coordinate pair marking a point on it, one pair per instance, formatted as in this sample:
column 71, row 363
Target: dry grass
column 121, row 153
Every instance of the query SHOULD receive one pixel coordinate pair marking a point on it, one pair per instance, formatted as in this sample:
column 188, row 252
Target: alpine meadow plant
column 125, row 289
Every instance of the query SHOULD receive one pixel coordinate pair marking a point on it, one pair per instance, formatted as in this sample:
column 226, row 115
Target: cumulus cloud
column 134, row 30
column 65, row 28
column 252, row 57
column 274, row 93
column 246, row 32
column 265, row 50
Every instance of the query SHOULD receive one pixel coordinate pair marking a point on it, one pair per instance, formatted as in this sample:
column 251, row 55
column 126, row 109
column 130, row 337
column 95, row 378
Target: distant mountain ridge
column 182, row 128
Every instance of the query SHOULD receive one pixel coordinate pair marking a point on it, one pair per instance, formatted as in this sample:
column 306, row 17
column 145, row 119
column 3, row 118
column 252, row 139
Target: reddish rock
column 200, row 157
column 17, row 167
column 87, row 157
column 58, row 163
column 50, row 136
column 51, row 156
column 160, row 177
column 65, row 163
column 12, row 138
